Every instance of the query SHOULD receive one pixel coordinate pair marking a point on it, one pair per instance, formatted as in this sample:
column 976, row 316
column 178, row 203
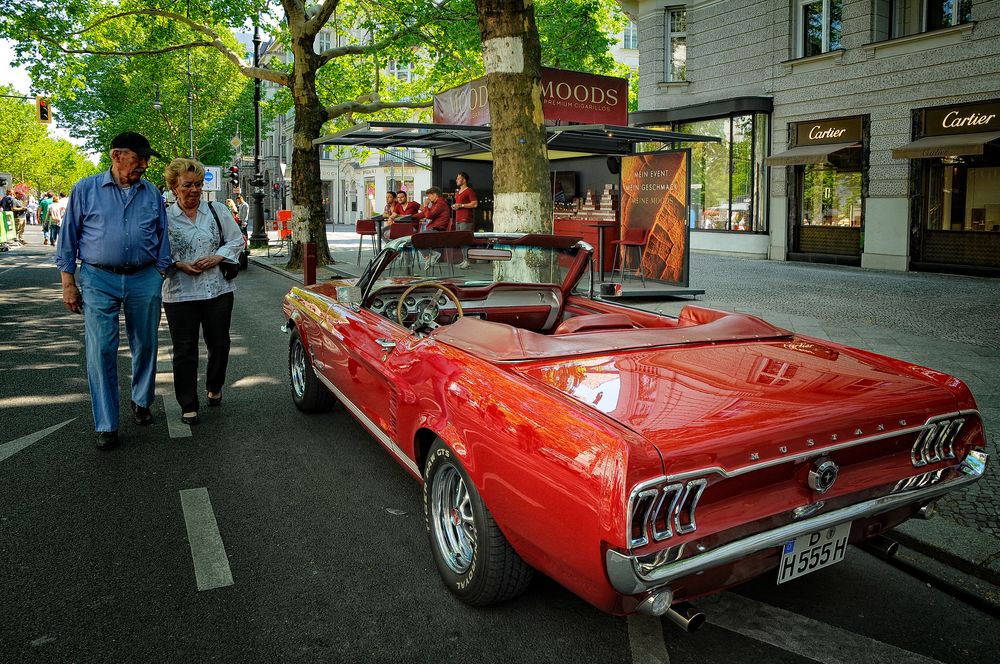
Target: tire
column 308, row 393
column 475, row 560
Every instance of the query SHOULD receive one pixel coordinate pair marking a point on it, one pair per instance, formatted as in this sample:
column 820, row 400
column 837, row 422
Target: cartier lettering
column 818, row 132
column 954, row 119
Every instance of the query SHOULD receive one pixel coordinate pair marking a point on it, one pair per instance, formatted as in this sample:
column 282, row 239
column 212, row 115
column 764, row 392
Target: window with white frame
column 911, row 17
column 401, row 70
column 630, row 38
column 819, row 26
column 323, row 41
column 675, row 44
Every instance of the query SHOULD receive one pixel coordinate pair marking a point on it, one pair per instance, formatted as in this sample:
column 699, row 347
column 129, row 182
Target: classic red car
column 638, row 459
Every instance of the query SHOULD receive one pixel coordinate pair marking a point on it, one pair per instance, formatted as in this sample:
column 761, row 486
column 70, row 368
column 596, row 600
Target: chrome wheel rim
column 452, row 520
column 297, row 368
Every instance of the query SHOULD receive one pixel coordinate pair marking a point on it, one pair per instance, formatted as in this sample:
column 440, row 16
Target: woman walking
column 197, row 298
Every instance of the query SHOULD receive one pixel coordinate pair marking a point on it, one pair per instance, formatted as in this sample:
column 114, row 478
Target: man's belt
column 120, row 269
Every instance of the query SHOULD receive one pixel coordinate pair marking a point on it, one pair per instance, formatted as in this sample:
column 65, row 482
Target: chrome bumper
column 631, row 574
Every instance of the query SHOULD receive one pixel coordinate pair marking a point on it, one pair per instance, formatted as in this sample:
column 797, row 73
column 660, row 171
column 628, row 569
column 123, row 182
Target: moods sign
column 568, row 96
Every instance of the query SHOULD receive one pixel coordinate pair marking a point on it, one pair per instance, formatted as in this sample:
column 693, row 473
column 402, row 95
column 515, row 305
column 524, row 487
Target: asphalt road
column 323, row 536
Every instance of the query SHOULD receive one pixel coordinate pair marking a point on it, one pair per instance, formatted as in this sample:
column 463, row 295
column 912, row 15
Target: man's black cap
column 137, row 143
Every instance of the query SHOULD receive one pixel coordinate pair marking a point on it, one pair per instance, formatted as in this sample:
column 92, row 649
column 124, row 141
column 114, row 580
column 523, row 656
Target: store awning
column 456, row 140
column 946, row 146
column 808, row 154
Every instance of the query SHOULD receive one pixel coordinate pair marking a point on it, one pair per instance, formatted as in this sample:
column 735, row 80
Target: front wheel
column 472, row 555
column 308, row 393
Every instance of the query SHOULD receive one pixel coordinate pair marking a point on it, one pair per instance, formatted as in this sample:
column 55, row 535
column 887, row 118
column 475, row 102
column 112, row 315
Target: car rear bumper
column 632, row 574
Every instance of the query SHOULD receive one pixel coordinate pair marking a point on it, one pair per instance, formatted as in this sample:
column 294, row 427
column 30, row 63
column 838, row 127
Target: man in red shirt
column 465, row 203
column 404, row 207
column 437, row 214
column 438, row 218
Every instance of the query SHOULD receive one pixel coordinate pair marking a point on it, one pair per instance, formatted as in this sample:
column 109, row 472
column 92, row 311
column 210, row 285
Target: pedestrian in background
column 243, row 212
column 20, row 210
column 57, row 210
column 197, row 298
column 390, row 203
column 43, row 212
column 116, row 225
column 32, row 210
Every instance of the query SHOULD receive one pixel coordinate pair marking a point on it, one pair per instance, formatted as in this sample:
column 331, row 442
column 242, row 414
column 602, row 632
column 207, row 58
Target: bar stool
column 365, row 228
column 630, row 249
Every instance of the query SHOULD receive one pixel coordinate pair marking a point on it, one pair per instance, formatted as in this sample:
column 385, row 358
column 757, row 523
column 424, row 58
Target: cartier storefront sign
column 836, row 130
column 964, row 119
column 567, row 96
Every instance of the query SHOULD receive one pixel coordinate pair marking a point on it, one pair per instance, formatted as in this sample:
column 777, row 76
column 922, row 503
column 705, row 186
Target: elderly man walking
column 116, row 226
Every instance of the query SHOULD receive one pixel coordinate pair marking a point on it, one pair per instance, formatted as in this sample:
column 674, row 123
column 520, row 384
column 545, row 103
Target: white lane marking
column 211, row 565
column 645, row 638
column 800, row 635
column 9, row 449
column 171, row 409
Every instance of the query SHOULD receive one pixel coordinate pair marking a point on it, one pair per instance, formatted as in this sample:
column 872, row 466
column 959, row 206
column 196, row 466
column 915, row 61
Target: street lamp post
column 259, row 236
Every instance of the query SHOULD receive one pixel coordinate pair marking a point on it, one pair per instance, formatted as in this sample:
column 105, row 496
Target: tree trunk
column 522, row 198
column 308, row 216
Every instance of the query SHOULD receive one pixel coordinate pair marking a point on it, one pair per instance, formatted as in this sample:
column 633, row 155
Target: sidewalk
column 945, row 322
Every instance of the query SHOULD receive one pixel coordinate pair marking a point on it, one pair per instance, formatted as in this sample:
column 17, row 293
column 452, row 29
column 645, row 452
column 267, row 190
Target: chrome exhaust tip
column 881, row 546
column 658, row 602
column 686, row 616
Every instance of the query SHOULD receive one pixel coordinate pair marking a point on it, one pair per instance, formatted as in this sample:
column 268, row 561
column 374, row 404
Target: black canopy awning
column 459, row 140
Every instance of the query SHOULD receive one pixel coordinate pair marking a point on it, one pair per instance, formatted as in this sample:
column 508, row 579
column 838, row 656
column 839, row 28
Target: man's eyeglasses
column 193, row 185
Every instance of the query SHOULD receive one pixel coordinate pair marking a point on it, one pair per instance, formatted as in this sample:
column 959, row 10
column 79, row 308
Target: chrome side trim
column 717, row 470
column 380, row 436
column 630, row 574
column 693, row 492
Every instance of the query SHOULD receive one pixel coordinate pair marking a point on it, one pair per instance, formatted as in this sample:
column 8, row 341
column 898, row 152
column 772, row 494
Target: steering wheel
column 428, row 313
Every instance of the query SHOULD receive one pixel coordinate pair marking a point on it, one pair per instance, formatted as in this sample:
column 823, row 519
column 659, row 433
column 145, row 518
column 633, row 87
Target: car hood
column 727, row 404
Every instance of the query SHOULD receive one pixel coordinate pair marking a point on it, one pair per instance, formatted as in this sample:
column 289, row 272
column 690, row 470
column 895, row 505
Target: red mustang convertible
column 638, row 459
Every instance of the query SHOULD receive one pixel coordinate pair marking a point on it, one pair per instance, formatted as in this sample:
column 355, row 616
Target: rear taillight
column 661, row 511
column 936, row 442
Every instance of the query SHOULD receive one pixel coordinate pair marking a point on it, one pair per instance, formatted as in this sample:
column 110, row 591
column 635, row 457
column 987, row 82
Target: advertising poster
column 655, row 199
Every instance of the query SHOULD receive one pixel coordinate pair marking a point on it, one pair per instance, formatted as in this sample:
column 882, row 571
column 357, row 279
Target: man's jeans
column 104, row 295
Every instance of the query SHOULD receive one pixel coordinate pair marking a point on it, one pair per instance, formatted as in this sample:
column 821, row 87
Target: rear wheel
column 308, row 393
column 472, row 555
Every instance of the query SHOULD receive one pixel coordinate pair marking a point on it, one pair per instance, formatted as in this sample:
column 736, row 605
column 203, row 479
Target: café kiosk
column 587, row 137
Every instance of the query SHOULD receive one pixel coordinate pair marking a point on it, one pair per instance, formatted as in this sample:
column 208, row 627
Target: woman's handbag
column 229, row 270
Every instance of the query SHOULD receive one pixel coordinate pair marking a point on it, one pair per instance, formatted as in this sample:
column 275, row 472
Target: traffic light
column 277, row 187
column 234, row 175
column 43, row 110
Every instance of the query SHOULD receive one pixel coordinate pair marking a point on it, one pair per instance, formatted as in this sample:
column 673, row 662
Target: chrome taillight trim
column 936, row 442
column 688, row 505
column 653, row 503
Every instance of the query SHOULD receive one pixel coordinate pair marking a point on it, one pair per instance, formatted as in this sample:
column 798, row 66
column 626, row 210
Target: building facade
column 861, row 132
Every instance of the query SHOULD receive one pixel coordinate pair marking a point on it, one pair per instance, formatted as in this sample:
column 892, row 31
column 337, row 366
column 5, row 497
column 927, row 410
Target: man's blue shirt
column 101, row 228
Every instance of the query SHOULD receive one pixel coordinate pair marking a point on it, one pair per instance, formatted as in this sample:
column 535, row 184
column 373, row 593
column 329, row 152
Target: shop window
column 963, row 197
column 675, row 39
column 819, row 26
column 630, row 38
column 727, row 177
column 831, row 197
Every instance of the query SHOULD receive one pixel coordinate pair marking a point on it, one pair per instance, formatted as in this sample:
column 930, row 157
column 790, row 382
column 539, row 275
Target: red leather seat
column 401, row 229
column 594, row 323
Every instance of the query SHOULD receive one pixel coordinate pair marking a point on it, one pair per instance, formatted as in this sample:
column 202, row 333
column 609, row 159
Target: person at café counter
column 402, row 208
column 465, row 203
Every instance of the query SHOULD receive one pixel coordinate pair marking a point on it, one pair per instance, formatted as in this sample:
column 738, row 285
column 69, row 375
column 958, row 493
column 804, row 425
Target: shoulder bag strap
column 218, row 224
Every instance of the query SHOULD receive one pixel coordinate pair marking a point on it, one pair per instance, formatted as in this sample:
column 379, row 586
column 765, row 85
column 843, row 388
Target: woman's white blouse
column 190, row 241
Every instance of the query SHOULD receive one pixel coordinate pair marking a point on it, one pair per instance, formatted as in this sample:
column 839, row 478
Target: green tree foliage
column 331, row 80
column 30, row 155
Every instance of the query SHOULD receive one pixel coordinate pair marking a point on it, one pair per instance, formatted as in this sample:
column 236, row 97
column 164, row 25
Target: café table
column 601, row 226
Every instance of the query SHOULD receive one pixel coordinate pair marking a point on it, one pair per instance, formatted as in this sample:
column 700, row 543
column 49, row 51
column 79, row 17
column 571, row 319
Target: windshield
column 483, row 259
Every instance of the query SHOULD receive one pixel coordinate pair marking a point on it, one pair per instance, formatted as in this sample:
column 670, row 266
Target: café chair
column 365, row 228
column 629, row 249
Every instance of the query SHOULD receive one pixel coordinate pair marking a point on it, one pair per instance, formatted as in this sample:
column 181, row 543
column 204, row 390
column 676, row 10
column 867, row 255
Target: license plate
column 814, row 551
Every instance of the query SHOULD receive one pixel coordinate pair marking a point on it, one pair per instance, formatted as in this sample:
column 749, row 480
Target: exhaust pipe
column 686, row 616
column 881, row 546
